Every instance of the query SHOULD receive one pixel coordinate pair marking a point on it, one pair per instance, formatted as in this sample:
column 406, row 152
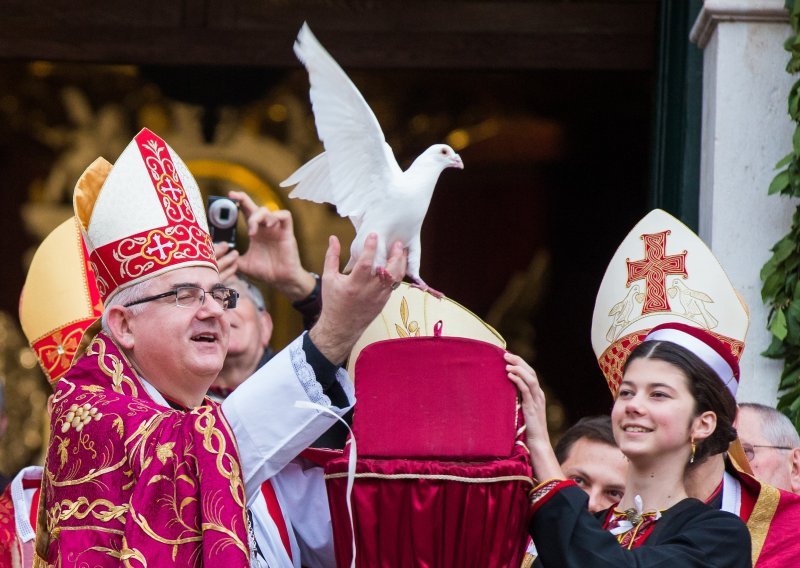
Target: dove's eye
column 444, row 151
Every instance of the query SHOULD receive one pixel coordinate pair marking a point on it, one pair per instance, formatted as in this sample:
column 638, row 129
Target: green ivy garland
column 781, row 273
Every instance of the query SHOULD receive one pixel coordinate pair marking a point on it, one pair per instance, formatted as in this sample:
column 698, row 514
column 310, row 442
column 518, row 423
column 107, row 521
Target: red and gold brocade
column 772, row 517
column 9, row 545
column 129, row 482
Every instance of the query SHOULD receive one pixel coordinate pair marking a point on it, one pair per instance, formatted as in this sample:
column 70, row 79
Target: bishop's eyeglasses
column 750, row 449
column 193, row 296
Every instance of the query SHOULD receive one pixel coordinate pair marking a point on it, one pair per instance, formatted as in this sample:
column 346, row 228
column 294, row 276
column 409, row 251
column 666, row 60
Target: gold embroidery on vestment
column 164, row 452
column 86, row 478
column 760, row 519
column 82, row 508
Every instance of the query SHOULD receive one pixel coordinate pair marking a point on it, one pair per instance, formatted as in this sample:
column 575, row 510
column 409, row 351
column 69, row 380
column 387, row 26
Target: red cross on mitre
column 653, row 269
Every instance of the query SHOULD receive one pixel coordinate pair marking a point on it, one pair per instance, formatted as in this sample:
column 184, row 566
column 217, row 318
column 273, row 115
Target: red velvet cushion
column 430, row 513
column 434, row 397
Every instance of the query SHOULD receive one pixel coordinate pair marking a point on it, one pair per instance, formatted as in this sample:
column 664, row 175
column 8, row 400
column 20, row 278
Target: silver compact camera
column 222, row 213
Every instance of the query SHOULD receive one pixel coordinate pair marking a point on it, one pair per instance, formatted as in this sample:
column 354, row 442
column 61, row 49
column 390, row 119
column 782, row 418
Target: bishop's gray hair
column 125, row 296
column 775, row 425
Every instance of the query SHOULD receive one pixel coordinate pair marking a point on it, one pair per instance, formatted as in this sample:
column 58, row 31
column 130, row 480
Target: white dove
column 358, row 172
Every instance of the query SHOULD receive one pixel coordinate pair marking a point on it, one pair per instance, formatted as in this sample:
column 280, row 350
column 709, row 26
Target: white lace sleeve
column 306, row 376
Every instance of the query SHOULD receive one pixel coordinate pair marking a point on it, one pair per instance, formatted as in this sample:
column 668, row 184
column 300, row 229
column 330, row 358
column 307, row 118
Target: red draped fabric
column 464, row 508
column 432, row 514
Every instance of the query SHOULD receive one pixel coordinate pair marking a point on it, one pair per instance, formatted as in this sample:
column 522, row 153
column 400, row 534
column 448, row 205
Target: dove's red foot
column 420, row 283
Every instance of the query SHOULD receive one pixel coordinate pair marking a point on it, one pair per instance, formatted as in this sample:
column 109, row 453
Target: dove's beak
column 455, row 162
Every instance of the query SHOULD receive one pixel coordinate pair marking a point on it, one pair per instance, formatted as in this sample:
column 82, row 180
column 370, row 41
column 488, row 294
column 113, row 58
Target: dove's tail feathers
column 312, row 181
column 318, row 165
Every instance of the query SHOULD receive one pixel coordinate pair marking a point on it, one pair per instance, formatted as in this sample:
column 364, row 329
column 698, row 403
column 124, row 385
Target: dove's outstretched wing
column 357, row 167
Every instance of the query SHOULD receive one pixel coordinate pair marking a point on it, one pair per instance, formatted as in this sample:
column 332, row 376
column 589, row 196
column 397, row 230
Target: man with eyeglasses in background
column 272, row 258
column 771, row 444
column 771, row 514
column 141, row 468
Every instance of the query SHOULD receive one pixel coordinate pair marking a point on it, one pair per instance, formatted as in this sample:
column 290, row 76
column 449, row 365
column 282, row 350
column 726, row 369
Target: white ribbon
column 624, row 525
column 731, row 494
column 351, row 465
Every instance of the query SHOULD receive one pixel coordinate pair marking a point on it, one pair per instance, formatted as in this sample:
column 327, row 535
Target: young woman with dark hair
column 672, row 409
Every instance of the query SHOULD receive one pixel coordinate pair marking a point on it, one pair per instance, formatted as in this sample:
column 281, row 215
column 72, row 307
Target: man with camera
column 272, row 258
column 141, row 468
column 290, row 515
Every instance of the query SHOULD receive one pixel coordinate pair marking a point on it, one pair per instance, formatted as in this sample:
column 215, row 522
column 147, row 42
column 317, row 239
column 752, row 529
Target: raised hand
column 273, row 256
column 534, row 408
column 227, row 260
column 351, row 301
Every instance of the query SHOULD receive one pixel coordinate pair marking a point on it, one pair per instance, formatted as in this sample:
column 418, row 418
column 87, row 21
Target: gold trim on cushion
column 433, row 477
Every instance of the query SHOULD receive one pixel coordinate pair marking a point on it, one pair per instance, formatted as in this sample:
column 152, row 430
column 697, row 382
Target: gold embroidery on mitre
column 656, row 265
column 166, row 185
column 693, row 308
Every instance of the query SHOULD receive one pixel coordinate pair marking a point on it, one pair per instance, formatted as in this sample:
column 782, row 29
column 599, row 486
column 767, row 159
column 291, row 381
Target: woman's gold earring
column 694, row 449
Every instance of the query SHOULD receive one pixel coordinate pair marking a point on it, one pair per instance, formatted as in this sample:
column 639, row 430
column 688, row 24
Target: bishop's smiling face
column 180, row 350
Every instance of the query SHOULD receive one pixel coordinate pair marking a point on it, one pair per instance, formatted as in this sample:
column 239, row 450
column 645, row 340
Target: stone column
column 746, row 129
